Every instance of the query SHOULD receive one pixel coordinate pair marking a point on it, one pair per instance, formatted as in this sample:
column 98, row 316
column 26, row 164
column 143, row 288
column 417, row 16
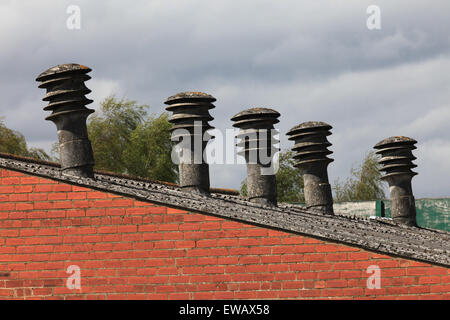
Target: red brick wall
column 134, row 250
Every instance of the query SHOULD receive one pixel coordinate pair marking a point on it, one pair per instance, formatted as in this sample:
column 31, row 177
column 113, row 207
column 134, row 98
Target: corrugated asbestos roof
column 377, row 235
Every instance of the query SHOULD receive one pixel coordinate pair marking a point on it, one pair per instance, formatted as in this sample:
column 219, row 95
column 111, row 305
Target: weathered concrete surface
column 311, row 154
column 396, row 160
column 66, row 95
column 190, row 112
column 384, row 237
column 257, row 140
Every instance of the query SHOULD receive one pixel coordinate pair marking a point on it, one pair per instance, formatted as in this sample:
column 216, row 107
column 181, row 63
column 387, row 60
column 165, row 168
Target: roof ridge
column 414, row 243
column 109, row 173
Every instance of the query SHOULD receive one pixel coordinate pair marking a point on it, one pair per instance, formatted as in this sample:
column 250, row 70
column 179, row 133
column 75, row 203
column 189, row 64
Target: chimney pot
column 66, row 96
column 190, row 111
column 257, row 139
column 396, row 160
column 311, row 153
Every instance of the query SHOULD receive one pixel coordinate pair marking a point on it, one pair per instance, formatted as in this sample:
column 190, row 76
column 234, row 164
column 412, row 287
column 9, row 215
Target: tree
column 364, row 182
column 289, row 180
column 13, row 142
column 125, row 139
column 149, row 151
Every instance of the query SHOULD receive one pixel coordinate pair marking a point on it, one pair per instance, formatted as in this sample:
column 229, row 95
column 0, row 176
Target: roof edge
column 112, row 174
column 424, row 245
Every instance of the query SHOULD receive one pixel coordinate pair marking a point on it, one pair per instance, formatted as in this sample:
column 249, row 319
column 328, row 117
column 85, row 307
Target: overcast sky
column 309, row 60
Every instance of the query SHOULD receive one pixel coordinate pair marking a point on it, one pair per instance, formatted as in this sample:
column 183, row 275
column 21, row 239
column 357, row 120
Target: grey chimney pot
column 311, row 157
column 253, row 123
column 396, row 160
column 66, row 96
column 190, row 111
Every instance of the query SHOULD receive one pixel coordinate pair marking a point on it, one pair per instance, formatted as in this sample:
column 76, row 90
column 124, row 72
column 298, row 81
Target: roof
column 377, row 235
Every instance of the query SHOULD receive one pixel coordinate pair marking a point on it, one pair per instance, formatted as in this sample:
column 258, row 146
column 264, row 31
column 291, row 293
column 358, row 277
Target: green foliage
column 13, row 142
column 364, row 183
column 289, row 180
column 149, row 151
column 125, row 139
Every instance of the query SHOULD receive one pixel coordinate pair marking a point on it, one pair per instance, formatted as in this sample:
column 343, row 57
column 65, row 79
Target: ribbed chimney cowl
column 190, row 119
column 257, row 139
column 66, row 96
column 396, row 161
column 310, row 152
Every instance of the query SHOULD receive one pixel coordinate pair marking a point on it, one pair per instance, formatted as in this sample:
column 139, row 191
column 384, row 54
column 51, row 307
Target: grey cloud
column 310, row 60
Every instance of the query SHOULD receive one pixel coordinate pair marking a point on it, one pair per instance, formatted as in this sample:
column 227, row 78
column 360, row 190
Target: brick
column 352, row 291
column 7, row 206
column 393, row 272
column 164, row 245
column 258, row 232
column 210, row 226
column 402, row 281
column 17, row 215
column 317, row 257
column 430, row 297
column 57, row 196
column 56, row 214
column 256, row 268
column 18, row 197
column 79, row 189
column 37, row 197
column 351, row 274
column 418, row 264
column 436, row 271
column 62, row 188
column 6, row 189
column 29, row 180
column 168, row 227
column 336, row 256
column 107, row 229
column 175, row 211
column 358, row 256
column 24, row 206
column 96, row 195
column 95, row 212
column 383, row 264
column 23, row 189
column 343, row 266
column 42, row 188
column 292, row 240
column 10, row 180
column 80, row 204
column 327, row 248
column 43, row 205
column 248, row 242
column 129, row 228
column 157, row 210
column 329, row 275
column 209, row 269
column 42, row 291
column 429, row 280
column 336, row 283
column 76, row 195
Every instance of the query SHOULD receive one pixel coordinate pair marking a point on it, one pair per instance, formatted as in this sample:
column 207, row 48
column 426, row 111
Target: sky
column 309, row 60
